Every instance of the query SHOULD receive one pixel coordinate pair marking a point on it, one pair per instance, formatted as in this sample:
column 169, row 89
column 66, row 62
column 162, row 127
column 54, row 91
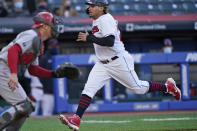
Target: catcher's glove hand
column 67, row 70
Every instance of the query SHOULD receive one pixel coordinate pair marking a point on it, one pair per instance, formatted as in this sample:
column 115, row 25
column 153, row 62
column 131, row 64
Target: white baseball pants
column 121, row 69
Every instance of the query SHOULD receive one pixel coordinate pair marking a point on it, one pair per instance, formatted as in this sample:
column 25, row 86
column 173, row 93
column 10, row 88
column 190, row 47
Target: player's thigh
column 130, row 80
column 12, row 97
column 96, row 80
column 122, row 70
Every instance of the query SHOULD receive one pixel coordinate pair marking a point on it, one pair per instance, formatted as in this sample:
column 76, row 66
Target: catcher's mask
column 49, row 19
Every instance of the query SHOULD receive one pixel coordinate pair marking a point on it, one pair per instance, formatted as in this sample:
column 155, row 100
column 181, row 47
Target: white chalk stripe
column 170, row 119
column 150, row 119
column 106, row 121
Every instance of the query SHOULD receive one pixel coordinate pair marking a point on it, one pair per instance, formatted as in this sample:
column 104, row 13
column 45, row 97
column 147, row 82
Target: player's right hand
column 13, row 81
column 82, row 36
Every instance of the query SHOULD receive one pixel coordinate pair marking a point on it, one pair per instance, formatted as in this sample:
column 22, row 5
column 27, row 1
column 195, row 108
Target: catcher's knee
column 24, row 108
column 21, row 109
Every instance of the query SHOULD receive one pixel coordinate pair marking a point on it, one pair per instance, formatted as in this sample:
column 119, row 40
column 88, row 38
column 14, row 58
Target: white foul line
column 150, row 119
column 170, row 119
column 106, row 121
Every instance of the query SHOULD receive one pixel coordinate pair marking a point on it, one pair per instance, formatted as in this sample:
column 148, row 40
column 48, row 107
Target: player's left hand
column 82, row 36
column 13, row 81
column 67, row 70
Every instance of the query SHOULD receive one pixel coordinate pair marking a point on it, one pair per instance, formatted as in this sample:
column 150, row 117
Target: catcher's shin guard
column 15, row 125
column 21, row 109
column 5, row 119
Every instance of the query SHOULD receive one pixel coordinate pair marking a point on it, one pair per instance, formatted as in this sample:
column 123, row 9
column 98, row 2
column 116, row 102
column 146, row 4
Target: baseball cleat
column 73, row 122
column 173, row 89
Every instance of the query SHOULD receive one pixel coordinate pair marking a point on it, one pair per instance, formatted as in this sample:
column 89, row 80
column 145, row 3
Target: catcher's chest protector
column 37, row 49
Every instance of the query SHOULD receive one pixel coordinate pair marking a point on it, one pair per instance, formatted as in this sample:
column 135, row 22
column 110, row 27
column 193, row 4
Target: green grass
column 136, row 123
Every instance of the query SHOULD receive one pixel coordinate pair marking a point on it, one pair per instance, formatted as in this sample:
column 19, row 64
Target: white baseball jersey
column 104, row 26
column 120, row 69
column 25, row 41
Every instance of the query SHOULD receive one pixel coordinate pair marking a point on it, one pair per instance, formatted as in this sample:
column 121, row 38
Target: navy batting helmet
column 97, row 2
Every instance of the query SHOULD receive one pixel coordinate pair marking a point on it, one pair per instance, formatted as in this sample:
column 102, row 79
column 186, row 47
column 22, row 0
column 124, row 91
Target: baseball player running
column 23, row 52
column 114, row 62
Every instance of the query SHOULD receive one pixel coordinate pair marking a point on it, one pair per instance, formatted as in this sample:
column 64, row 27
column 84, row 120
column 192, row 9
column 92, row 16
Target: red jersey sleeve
column 13, row 53
column 39, row 71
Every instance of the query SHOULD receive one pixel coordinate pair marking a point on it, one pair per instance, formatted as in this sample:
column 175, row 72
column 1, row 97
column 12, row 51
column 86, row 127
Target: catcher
column 23, row 53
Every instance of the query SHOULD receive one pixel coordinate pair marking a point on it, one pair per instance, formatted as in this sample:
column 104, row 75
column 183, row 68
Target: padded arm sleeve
column 104, row 41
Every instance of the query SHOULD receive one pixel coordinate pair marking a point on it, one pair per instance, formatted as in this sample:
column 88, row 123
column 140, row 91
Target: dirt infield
column 124, row 113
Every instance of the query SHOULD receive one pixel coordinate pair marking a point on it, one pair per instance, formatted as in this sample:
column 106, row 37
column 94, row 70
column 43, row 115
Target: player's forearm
column 104, row 41
column 39, row 71
column 13, row 53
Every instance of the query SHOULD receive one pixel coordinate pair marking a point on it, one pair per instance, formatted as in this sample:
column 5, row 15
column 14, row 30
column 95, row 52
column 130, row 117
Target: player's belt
column 107, row 61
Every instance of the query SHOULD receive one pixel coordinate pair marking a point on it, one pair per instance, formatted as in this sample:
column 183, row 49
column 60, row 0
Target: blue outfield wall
column 182, row 58
column 126, row 106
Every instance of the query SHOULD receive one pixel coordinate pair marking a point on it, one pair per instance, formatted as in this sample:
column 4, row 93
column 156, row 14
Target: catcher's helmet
column 97, row 2
column 47, row 18
column 43, row 17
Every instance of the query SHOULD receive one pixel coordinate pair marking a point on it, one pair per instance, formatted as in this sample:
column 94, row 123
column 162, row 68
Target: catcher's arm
column 67, row 70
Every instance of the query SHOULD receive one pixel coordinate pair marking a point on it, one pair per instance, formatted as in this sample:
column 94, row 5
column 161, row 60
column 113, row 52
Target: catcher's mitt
column 67, row 70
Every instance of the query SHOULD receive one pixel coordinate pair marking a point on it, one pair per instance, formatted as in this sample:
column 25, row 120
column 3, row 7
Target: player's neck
column 43, row 35
column 97, row 16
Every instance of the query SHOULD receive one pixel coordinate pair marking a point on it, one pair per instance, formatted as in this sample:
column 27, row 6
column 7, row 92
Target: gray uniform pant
column 12, row 97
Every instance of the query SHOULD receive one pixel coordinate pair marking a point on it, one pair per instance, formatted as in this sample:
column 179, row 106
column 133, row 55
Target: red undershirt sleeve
column 13, row 53
column 39, row 71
